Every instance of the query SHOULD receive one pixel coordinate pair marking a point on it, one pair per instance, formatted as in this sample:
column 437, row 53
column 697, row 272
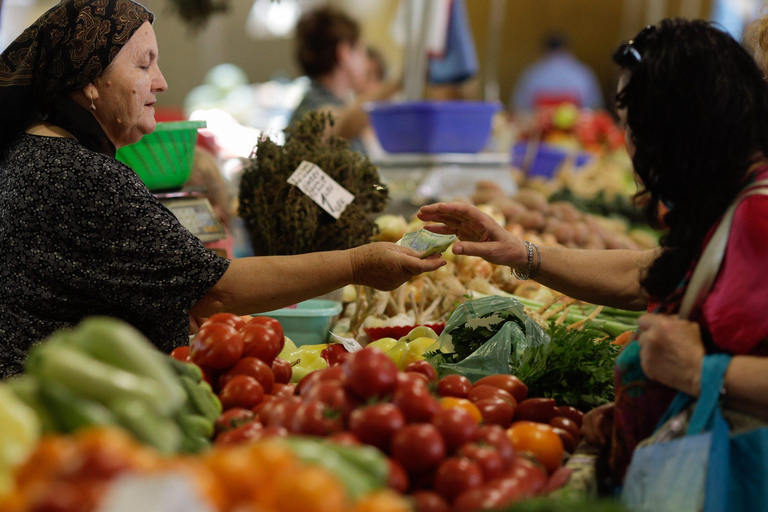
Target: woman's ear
column 91, row 92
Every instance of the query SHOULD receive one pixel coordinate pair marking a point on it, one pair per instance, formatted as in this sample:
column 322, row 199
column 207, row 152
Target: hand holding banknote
column 427, row 242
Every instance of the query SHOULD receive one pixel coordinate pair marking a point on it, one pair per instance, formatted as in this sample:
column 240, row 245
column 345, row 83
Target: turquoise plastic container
column 309, row 322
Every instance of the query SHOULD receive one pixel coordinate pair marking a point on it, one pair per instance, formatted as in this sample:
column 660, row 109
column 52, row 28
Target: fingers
column 441, row 229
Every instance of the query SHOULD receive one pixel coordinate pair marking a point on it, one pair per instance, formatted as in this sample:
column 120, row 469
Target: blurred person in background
column 557, row 77
column 331, row 53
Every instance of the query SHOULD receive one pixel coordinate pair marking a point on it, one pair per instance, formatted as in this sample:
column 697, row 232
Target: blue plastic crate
column 309, row 322
column 547, row 160
column 433, row 127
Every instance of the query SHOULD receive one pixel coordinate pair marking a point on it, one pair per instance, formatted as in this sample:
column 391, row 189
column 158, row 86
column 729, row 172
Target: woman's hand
column 385, row 266
column 480, row 235
column 671, row 351
column 598, row 424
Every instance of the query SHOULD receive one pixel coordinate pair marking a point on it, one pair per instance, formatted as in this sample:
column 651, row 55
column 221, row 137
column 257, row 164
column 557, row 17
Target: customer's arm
column 257, row 284
column 602, row 277
column 352, row 119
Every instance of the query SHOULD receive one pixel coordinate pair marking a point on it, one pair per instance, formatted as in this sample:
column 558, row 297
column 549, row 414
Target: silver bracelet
column 524, row 277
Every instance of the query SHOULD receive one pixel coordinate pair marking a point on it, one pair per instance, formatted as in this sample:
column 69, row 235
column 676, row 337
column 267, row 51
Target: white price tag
column 321, row 188
column 350, row 344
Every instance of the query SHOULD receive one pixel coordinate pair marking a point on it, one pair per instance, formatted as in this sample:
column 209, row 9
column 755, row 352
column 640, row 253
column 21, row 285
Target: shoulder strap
column 709, row 264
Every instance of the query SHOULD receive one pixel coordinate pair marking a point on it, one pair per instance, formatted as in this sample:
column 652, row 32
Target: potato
column 564, row 233
column 549, row 239
column 533, row 200
column 532, row 220
column 511, row 209
column 565, row 211
column 580, row 233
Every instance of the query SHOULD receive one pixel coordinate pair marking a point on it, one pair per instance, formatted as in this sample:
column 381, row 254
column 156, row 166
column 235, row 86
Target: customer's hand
column 598, row 424
column 480, row 235
column 671, row 351
column 385, row 266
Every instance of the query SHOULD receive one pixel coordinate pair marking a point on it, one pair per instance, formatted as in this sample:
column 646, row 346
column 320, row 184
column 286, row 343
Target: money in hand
column 427, row 242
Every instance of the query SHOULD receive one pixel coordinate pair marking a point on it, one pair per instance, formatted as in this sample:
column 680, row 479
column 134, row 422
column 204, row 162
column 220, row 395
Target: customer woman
column 696, row 110
column 82, row 235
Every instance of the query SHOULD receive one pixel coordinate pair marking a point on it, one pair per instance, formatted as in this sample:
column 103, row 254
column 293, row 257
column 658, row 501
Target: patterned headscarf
column 64, row 50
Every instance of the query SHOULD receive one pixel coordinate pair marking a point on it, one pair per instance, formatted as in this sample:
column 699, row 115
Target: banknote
column 427, row 242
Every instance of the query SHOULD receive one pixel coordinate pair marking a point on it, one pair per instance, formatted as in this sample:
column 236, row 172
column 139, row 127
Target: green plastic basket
column 163, row 159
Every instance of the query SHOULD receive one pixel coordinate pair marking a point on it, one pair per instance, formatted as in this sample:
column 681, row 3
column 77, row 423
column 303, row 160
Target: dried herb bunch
column 281, row 219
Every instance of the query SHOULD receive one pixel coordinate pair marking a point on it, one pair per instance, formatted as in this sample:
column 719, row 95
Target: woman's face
column 622, row 113
column 126, row 92
column 353, row 59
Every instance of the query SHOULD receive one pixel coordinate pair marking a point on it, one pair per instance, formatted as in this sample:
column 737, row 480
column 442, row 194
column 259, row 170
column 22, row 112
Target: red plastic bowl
column 399, row 331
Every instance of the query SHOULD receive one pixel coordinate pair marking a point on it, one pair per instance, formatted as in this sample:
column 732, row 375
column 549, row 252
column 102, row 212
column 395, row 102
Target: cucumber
column 72, row 412
column 202, row 397
column 160, row 433
column 194, row 425
column 190, row 370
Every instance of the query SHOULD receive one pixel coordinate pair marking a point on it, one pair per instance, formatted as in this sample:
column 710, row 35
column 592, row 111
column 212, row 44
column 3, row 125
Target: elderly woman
column 696, row 109
column 82, row 235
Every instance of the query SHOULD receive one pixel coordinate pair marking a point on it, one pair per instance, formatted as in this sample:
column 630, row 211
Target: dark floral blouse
column 81, row 235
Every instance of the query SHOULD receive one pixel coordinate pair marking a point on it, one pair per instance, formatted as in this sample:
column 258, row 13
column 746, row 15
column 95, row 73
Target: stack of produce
column 570, row 127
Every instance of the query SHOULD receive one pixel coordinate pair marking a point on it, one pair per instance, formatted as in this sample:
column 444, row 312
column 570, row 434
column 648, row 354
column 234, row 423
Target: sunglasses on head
column 632, row 51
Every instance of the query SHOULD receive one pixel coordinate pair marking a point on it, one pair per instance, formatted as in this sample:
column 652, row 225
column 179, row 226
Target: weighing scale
column 195, row 213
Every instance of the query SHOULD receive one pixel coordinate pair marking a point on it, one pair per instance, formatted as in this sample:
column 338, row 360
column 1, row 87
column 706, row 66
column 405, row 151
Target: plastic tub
column 547, row 160
column 433, row 127
column 309, row 322
column 163, row 159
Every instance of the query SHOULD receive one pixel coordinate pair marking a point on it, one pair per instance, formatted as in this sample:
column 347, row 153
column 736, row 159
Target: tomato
column 495, row 436
column 423, row 367
column 484, row 392
column 407, row 378
column 217, row 346
column 571, row 413
column 252, row 367
column 315, row 419
column 538, row 439
column 486, row 457
column 279, row 413
column 225, row 318
column 456, row 426
column 509, row 383
column 454, row 385
column 418, row 447
column 249, row 431
column 261, row 342
column 449, row 402
column 456, row 475
column 181, row 354
column 272, row 324
column 233, row 418
column 535, row 409
column 306, row 384
column 332, row 352
column 258, row 407
column 568, row 425
column 283, row 390
column 376, row 424
column 430, row 501
column 333, row 394
column 569, row 444
column 370, row 374
column 530, row 473
column 496, row 412
column 274, row 432
column 211, row 377
column 397, row 478
column 416, row 402
column 418, row 375
column 344, row 439
column 242, row 391
column 479, row 498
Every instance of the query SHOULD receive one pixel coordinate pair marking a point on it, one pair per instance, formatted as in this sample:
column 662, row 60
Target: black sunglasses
column 631, row 52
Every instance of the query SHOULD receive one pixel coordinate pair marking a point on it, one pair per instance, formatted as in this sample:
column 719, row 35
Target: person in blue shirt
column 557, row 75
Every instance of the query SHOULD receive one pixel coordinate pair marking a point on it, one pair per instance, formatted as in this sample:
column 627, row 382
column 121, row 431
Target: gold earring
column 93, row 106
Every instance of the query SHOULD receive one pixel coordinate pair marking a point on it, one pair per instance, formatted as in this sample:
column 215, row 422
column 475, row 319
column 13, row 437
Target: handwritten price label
column 321, row 188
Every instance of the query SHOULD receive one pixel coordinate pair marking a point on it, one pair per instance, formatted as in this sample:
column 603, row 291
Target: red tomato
column 370, row 374
column 376, row 424
column 423, row 367
column 456, row 475
column 569, row 444
column 257, row 409
column 315, row 419
column 211, row 377
column 496, row 412
column 333, row 394
column 281, row 413
column 568, row 425
column 416, row 375
column 233, row 418
column 344, row 439
column 397, row 478
column 282, row 370
column 332, row 352
column 495, row 436
column 274, row 432
column 261, row 342
column 530, row 473
column 225, row 318
column 242, row 391
column 456, row 426
column 272, row 324
column 181, row 354
column 217, row 346
column 416, row 402
column 479, row 498
column 486, row 457
column 418, row 447
column 454, row 385
column 508, row 383
column 570, row 412
column 535, row 409
column 251, row 367
column 283, row 390
column 336, row 373
column 430, row 501
column 483, row 392
column 249, row 431
column 407, row 378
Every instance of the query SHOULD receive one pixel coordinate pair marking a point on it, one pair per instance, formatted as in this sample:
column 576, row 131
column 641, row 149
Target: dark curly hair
column 697, row 110
column 318, row 34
